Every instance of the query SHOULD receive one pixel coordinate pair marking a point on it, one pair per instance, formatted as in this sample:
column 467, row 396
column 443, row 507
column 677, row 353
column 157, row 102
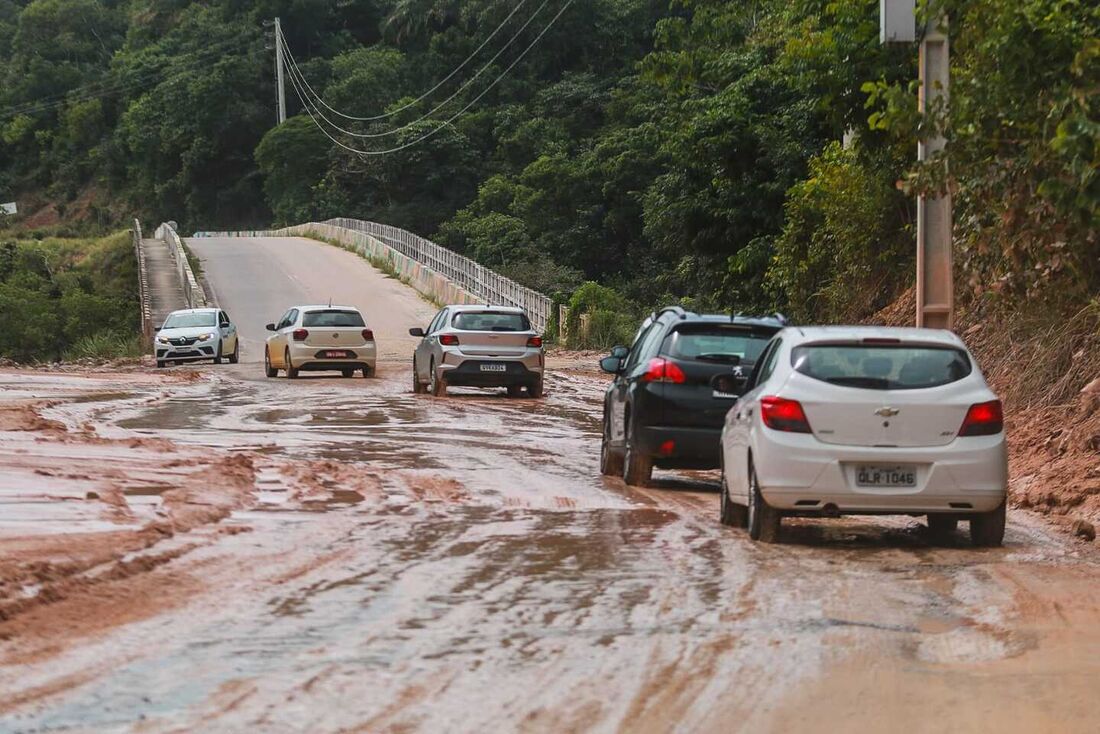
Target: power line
column 426, row 115
column 308, row 107
column 424, row 96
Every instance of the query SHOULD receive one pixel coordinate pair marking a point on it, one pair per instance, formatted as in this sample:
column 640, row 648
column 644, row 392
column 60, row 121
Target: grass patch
column 106, row 345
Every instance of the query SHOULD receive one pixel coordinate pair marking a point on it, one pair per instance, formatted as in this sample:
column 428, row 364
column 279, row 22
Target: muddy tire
column 535, row 390
column 611, row 460
column 347, row 373
column 161, row 364
column 438, row 384
column 729, row 513
column 269, row 371
column 419, row 388
column 763, row 519
column 235, row 357
column 218, row 356
column 637, row 467
column 366, row 372
column 942, row 527
column 515, row 391
column 987, row 529
column 291, row 370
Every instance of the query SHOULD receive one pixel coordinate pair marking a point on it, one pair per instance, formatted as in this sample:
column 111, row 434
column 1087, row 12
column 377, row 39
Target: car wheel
column 763, row 520
column 535, row 390
column 515, row 391
column 291, row 370
column 611, row 461
column 161, row 363
column 438, row 384
column 942, row 527
column 987, row 529
column 235, row 357
column 418, row 387
column 268, row 369
column 730, row 513
column 347, row 373
column 366, row 372
column 218, row 356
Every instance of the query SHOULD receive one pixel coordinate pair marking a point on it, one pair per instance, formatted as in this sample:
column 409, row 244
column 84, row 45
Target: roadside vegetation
column 68, row 299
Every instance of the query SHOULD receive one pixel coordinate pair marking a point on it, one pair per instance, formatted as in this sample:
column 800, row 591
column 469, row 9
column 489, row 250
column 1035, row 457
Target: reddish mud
column 232, row 553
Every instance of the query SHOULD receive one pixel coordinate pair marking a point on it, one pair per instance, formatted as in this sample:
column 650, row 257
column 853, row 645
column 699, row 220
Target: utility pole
column 279, row 70
column 935, row 276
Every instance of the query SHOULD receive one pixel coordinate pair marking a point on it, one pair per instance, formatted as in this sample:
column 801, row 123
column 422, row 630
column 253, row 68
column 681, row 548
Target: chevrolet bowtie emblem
column 887, row 412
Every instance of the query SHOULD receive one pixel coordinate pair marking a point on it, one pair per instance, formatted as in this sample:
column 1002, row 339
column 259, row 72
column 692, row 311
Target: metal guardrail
column 481, row 282
column 143, row 285
column 192, row 289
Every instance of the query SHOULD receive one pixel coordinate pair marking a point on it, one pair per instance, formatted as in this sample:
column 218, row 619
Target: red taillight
column 535, row 342
column 664, row 370
column 368, row 335
column 983, row 419
column 300, row 335
column 448, row 340
column 781, row 414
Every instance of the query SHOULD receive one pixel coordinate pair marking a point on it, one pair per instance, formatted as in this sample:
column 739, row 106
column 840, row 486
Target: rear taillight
column 300, row 335
column 535, row 342
column 781, row 414
column 368, row 335
column 448, row 340
column 983, row 419
column 664, row 370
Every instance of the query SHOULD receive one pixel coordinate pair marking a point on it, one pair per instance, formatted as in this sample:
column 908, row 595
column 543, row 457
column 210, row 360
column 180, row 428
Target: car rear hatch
column 876, row 393
column 492, row 333
column 334, row 329
column 700, row 351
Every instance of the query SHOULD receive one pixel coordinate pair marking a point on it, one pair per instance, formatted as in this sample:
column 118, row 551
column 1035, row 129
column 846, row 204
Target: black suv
column 664, row 407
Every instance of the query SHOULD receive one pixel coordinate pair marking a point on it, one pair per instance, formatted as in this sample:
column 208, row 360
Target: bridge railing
column 193, row 292
column 143, row 285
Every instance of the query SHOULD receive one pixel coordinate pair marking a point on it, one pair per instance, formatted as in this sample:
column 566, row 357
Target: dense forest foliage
column 688, row 150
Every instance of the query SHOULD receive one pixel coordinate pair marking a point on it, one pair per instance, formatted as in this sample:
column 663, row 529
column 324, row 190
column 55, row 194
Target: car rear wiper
column 870, row 383
column 731, row 358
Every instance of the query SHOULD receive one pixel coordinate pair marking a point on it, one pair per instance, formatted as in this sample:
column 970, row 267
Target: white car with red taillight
column 840, row 420
column 479, row 346
column 320, row 338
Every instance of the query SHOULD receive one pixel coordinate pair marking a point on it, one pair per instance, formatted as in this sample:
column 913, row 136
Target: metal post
column 935, row 279
column 279, row 70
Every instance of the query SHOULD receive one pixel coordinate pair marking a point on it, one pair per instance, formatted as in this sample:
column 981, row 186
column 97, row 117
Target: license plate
column 886, row 476
column 336, row 355
column 494, row 368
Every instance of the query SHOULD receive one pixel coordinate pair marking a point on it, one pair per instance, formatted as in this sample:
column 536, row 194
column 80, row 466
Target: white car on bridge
column 320, row 338
column 865, row 420
column 195, row 334
column 479, row 346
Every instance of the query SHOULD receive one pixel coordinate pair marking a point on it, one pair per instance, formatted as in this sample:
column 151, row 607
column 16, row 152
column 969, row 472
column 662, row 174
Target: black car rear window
column 719, row 343
column 881, row 367
column 490, row 321
column 333, row 317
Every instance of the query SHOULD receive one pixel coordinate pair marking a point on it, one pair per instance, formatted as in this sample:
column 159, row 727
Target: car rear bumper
column 469, row 373
column 677, row 447
column 797, row 472
column 313, row 358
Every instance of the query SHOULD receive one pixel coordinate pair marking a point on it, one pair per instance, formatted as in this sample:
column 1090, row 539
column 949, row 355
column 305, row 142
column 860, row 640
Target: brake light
column 300, row 335
column 983, row 419
column 664, row 370
column 368, row 335
column 781, row 414
column 448, row 340
column 535, row 341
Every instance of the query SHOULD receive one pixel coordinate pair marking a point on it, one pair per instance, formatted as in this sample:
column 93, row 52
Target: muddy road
column 340, row 555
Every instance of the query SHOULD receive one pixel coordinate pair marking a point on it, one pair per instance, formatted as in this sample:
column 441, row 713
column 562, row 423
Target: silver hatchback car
column 479, row 346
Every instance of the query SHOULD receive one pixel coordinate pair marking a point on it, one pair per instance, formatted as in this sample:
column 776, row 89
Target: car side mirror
column 620, row 352
column 729, row 384
column 270, row 327
column 612, row 365
column 416, row 332
column 158, row 327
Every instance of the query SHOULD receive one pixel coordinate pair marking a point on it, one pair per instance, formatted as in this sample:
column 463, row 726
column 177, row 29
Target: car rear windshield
column 881, row 367
column 717, row 343
column 491, row 321
column 333, row 317
column 190, row 320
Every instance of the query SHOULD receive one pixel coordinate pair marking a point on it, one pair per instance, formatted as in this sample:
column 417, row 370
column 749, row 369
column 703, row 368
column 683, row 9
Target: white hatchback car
column 865, row 420
column 319, row 338
column 195, row 334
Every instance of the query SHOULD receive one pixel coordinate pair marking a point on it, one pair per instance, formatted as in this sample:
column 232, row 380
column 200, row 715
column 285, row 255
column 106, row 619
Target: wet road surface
column 472, row 572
